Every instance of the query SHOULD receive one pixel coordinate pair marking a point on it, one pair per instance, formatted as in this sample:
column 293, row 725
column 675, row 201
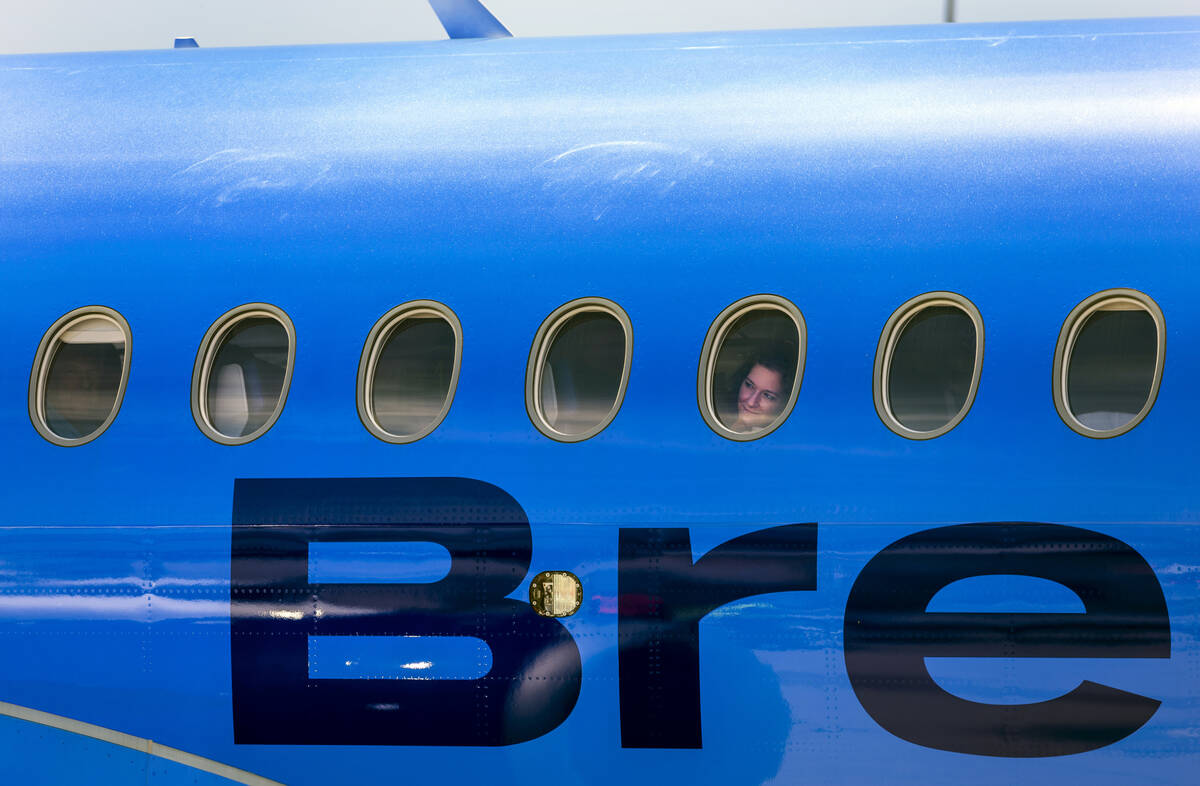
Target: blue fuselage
column 1024, row 167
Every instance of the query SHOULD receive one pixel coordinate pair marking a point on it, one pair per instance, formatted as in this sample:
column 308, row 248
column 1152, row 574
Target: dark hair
column 775, row 359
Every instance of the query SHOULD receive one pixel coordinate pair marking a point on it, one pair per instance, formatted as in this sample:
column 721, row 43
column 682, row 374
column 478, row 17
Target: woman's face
column 760, row 398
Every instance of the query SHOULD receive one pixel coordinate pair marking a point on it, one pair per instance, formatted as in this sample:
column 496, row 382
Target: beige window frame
column 892, row 330
column 714, row 340
column 543, row 340
column 43, row 360
column 1126, row 298
column 206, row 354
column 381, row 333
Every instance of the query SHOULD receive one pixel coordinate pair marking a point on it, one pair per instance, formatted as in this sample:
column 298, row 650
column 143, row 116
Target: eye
column 769, row 396
column 747, row 384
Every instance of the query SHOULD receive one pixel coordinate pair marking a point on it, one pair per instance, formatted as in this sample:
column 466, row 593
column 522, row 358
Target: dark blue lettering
column 535, row 676
column 888, row 635
column 663, row 597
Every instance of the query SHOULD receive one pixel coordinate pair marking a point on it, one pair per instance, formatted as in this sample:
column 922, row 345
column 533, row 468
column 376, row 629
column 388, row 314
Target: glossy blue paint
column 349, row 562
column 35, row 754
column 135, row 648
column 398, row 657
column 1022, row 166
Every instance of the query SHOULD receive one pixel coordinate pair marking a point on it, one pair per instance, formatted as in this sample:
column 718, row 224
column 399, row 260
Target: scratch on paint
column 602, row 177
column 226, row 176
column 618, row 145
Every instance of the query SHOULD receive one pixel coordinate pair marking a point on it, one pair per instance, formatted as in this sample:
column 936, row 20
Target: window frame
column 206, row 354
column 888, row 338
column 543, row 340
column 714, row 340
column 378, row 337
column 41, row 371
column 1066, row 345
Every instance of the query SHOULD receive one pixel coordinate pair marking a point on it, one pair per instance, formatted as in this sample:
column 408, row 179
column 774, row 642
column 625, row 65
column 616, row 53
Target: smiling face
column 760, row 398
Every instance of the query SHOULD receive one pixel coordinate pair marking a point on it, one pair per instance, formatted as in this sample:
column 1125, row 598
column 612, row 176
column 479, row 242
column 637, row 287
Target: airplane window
column 1109, row 363
column 79, row 376
column 928, row 365
column 409, row 370
column 242, row 373
column 578, row 369
column 751, row 366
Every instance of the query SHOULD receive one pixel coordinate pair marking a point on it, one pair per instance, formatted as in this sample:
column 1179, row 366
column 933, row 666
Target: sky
column 71, row 25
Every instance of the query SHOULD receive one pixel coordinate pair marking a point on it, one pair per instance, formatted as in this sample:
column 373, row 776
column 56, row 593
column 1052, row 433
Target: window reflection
column 582, row 373
column 245, row 382
column 84, row 377
column 1112, row 364
column 754, row 370
column 932, row 368
column 413, row 375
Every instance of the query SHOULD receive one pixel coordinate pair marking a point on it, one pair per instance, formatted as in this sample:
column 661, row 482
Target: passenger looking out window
column 764, row 386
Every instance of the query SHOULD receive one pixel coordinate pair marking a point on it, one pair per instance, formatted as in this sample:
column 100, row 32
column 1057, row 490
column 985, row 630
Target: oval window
column 409, row 370
column 751, row 366
column 79, row 375
column 578, row 369
column 928, row 364
column 1108, row 363
column 242, row 374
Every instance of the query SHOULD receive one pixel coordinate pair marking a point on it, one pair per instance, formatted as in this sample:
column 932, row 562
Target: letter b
column 535, row 676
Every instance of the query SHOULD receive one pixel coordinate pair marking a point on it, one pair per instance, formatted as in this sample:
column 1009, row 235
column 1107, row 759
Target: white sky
column 71, row 25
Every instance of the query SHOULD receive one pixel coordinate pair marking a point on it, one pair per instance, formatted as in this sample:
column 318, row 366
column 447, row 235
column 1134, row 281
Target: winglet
column 186, row 43
column 468, row 19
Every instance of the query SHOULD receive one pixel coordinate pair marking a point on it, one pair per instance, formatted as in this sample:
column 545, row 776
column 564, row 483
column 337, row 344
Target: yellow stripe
column 149, row 747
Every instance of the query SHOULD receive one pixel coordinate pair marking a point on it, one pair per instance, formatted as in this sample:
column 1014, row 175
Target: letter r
column 663, row 597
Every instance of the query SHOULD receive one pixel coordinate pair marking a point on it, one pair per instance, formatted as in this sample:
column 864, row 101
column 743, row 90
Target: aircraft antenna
column 468, row 19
